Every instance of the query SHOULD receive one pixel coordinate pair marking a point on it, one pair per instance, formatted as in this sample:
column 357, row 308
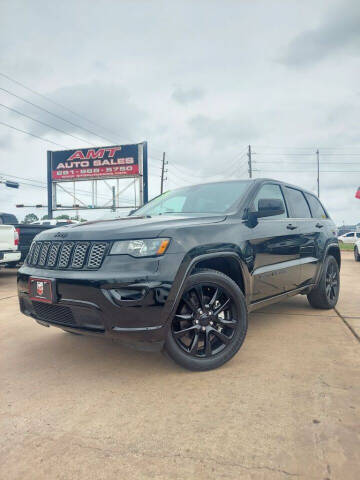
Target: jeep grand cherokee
column 182, row 272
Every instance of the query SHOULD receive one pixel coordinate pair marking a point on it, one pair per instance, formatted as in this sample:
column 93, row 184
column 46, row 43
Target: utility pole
column 113, row 209
column 318, row 172
column 249, row 161
column 162, row 173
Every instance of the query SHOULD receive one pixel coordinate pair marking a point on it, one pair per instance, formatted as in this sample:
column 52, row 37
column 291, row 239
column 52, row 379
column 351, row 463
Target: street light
column 9, row 183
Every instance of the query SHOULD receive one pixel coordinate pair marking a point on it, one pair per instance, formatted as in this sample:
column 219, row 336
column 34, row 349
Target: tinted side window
column 350, row 234
column 298, row 204
column 270, row 191
column 315, row 207
column 9, row 219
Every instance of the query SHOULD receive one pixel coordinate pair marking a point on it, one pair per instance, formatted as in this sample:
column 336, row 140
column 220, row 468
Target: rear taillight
column 16, row 237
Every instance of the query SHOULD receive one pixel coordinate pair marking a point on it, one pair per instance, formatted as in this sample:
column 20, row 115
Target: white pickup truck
column 9, row 241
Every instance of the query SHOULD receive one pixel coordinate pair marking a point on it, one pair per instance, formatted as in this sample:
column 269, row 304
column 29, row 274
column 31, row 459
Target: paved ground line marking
column 5, row 298
column 348, row 325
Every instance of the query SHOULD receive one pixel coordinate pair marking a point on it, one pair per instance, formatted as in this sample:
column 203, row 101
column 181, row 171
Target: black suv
column 182, row 272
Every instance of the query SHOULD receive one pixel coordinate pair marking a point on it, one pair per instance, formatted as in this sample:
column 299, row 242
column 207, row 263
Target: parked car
column 347, row 229
column 349, row 237
column 55, row 222
column 26, row 232
column 9, row 240
column 183, row 271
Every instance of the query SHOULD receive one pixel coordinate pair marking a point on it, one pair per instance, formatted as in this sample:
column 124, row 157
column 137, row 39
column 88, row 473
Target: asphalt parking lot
column 286, row 406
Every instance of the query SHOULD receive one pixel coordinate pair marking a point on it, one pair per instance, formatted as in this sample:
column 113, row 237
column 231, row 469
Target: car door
column 272, row 246
column 309, row 234
column 324, row 229
column 349, row 238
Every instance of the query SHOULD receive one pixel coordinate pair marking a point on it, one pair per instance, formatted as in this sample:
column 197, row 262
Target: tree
column 45, row 217
column 62, row 217
column 30, row 217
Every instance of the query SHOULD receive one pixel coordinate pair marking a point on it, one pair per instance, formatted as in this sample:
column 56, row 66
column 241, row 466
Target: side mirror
column 268, row 207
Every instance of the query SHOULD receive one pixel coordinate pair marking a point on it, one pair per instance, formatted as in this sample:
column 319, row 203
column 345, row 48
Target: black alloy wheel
column 206, row 320
column 326, row 293
column 332, row 282
column 210, row 322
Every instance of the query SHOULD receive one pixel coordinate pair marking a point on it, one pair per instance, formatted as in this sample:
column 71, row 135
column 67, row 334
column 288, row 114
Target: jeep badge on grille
column 39, row 288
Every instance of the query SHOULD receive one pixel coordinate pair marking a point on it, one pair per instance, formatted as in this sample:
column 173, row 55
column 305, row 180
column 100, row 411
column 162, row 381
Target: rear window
column 8, row 219
column 298, row 204
column 316, row 208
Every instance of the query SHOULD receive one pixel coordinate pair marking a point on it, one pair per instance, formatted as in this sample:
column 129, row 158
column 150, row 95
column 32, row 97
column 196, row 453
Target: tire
column 210, row 322
column 356, row 254
column 325, row 295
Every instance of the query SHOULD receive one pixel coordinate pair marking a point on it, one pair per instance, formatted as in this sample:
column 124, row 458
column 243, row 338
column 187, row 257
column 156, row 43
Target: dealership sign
column 95, row 163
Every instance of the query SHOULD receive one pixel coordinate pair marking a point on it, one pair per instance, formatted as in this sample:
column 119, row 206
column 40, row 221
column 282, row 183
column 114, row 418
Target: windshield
column 207, row 198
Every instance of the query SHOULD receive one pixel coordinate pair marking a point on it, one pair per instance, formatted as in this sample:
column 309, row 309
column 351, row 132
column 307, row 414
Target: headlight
column 141, row 248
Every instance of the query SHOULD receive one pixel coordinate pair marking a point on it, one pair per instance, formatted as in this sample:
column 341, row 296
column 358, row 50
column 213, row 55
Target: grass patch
column 346, row 247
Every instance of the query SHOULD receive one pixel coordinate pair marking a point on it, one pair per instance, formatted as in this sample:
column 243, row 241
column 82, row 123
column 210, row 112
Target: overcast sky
column 199, row 80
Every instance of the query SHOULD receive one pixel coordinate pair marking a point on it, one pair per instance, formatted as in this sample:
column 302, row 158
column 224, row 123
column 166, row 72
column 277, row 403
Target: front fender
column 190, row 260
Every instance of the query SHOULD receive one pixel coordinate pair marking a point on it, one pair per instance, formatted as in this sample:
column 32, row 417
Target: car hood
column 127, row 227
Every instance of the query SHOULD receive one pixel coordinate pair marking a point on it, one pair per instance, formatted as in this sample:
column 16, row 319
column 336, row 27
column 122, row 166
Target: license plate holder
column 42, row 289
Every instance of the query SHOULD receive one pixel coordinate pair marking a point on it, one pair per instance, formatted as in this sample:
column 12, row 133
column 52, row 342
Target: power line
column 53, row 101
column 308, row 171
column 44, row 123
column 55, row 115
column 60, row 105
column 306, row 154
column 284, row 154
column 62, row 118
column 44, row 185
column 313, row 148
column 33, row 135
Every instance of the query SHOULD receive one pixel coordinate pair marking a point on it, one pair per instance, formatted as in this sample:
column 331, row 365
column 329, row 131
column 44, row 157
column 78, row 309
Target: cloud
column 228, row 129
column 5, row 141
column 339, row 31
column 185, row 96
column 112, row 114
column 201, row 92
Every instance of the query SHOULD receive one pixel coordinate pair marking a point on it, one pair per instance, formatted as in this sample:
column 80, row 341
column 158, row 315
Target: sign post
column 49, row 185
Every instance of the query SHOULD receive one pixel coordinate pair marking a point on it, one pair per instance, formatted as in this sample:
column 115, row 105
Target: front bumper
column 126, row 298
column 6, row 257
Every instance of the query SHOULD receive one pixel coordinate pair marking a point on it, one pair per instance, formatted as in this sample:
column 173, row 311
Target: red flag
column 357, row 194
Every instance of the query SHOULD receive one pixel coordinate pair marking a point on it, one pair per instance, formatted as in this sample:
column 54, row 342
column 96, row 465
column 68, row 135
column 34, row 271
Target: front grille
column 67, row 255
column 53, row 313
column 43, row 253
column 36, row 252
column 97, row 253
column 79, row 256
column 53, row 253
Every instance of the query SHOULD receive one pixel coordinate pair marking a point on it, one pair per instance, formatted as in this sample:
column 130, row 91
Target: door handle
column 291, row 226
column 319, row 225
